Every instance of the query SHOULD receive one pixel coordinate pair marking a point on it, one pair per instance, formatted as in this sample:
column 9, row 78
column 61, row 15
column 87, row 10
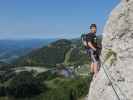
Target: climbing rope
column 110, row 81
column 108, row 75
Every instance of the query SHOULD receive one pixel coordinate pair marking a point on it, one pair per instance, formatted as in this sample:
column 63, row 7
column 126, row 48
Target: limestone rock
column 117, row 53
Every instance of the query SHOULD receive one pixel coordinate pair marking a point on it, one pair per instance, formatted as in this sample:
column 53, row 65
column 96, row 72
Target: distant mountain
column 12, row 49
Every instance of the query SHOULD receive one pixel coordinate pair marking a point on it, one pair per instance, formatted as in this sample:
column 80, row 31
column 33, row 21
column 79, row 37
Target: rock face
column 117, row 55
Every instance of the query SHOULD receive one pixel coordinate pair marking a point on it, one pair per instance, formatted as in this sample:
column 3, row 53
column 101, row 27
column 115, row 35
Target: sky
column 52, row 18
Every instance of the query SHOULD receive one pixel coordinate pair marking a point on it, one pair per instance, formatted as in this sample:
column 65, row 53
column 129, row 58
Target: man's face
column 93, row 29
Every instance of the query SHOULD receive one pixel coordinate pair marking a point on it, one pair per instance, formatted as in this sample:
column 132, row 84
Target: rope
column 113, row 83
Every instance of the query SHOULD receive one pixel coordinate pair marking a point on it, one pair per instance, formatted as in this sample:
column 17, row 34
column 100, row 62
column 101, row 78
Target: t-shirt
column 91, row 37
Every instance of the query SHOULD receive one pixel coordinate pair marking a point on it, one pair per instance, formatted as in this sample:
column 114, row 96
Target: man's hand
column 90, row 44
column 94, row 49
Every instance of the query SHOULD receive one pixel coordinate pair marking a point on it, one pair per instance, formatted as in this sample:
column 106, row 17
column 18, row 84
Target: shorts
column 92, row 55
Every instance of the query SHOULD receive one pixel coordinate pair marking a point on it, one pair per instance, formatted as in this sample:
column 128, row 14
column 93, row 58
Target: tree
column 25, row 85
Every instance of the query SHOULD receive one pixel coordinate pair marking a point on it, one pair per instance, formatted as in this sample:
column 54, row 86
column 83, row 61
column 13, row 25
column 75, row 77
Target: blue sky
column 52, row 18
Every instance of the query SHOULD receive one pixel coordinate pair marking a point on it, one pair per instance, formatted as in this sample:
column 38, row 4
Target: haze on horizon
column 52, row 18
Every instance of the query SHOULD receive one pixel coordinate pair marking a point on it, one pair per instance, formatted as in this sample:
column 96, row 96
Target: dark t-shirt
column 91, row 37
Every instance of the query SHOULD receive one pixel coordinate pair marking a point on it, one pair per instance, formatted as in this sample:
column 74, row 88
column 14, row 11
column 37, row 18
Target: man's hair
column 93, row 25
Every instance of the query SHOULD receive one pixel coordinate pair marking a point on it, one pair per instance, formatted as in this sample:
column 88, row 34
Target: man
column 91, row 48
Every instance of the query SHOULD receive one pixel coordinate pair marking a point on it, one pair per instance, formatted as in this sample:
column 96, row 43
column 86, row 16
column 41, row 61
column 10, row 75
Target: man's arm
column 90, row 45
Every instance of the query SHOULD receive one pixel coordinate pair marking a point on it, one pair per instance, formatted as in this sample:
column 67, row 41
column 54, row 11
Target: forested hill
column 68, row 52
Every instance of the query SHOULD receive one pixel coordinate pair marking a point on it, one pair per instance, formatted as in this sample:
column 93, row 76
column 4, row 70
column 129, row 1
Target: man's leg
column 95, row 69
column 92, row 71
column 95, row 63
column 92, row 67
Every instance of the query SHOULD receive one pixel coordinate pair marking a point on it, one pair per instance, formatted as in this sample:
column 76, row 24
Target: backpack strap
column 87, row 41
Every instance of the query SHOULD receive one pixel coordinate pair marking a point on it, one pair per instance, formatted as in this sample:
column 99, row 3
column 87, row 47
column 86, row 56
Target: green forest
column 48, row 85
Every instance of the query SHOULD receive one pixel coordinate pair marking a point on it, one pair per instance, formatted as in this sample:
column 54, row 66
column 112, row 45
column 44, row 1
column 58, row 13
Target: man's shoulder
column 90, row 34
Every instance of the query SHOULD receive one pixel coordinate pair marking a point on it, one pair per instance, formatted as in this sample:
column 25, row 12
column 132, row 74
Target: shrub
column 57, row 94
column 46, row 76
column 109, row 54
column 2, row 91
column 24, row 85
column 67, row 89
